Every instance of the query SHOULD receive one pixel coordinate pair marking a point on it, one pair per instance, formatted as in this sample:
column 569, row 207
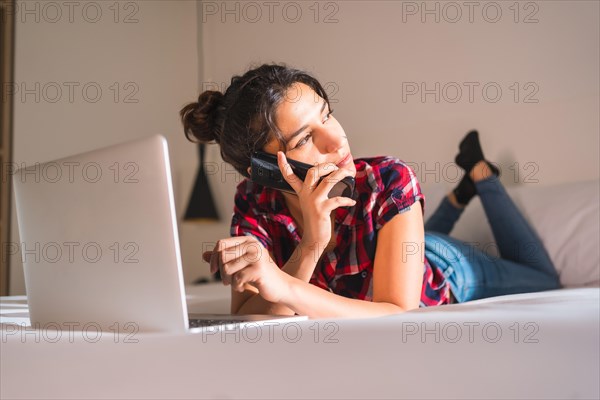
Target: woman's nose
column 331, row 141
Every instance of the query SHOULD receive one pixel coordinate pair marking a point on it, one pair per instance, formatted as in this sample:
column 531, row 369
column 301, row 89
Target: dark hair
column 242, row 120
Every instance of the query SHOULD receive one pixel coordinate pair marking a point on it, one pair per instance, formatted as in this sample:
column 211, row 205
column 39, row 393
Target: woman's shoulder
column 389, row 180
column 383, row 168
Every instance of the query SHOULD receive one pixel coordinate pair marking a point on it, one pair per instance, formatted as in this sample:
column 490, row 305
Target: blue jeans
column 523, row 265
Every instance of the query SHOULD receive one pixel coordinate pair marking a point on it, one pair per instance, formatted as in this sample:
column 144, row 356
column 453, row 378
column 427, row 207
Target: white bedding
column 535, row 345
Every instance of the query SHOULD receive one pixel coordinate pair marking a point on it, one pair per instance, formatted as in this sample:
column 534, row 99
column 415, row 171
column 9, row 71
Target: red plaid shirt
column 385, row 186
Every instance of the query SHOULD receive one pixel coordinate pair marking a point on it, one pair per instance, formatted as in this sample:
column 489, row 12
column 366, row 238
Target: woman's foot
column 470, row 155
column 463, row 193
column 471, row 159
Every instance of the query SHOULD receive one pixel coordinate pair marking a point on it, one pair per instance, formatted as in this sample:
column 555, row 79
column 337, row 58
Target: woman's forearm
column 257, row 305
column 306, row 299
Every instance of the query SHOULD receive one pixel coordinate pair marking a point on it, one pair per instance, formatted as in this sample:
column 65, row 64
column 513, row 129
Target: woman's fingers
column 336, row 202
column 288, row 173
column 234, row 267
column 243, row 260
column 233, row 247
column 240, row 278
column 331, row 180
column 315, row 173
column 233, row 254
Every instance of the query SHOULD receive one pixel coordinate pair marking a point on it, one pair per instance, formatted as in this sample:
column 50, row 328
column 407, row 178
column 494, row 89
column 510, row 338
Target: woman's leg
column 444, row 217
column 451, row 207
column 473, row 274
column 515, row 238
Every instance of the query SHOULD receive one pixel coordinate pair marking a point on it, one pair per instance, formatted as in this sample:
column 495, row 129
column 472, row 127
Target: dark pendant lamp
column 201, row 206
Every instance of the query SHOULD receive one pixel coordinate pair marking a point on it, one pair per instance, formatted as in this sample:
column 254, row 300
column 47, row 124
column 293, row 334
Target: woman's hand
column 243, row 260
column 316, row 206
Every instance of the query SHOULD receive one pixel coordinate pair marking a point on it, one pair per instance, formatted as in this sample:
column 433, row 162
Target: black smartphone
column 265, row 171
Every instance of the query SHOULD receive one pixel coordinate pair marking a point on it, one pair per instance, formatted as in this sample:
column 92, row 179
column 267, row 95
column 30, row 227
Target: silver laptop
column 99, row 242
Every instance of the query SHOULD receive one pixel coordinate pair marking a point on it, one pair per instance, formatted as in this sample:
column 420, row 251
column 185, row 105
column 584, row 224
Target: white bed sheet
column 535, row 345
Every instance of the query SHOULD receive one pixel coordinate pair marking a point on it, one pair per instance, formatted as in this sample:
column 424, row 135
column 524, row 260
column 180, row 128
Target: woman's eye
column 327, row 116
column 302, row 141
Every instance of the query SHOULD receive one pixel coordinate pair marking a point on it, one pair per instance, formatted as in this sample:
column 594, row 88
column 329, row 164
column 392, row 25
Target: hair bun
column 201, row 119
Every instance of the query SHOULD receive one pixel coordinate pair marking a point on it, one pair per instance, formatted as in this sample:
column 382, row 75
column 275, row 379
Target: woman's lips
column 345, row 160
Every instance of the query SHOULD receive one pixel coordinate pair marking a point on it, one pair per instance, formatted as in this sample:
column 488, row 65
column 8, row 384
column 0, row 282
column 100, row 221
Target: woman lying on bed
column 372, row 255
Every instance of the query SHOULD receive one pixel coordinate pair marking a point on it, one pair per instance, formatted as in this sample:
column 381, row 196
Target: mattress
column 534, row 345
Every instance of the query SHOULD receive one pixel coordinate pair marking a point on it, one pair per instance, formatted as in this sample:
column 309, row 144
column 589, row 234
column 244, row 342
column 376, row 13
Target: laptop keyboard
column 199, row 323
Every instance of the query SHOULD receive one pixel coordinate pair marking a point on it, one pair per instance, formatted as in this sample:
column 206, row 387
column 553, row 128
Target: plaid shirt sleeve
column 246, row 219
column 399, row 190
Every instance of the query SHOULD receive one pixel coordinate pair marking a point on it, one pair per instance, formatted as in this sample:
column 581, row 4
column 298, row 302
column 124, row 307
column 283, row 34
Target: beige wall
column 372, row 53
column 150, row 52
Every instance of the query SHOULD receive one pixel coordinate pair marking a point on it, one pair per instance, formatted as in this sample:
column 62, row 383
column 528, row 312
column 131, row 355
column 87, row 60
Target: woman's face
column 311, row 133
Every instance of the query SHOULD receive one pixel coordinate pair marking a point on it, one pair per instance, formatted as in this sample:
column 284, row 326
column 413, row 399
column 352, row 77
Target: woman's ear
column 249, row 171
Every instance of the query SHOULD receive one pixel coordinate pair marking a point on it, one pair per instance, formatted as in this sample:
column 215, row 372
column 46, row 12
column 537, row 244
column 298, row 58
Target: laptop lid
column 99, row 241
